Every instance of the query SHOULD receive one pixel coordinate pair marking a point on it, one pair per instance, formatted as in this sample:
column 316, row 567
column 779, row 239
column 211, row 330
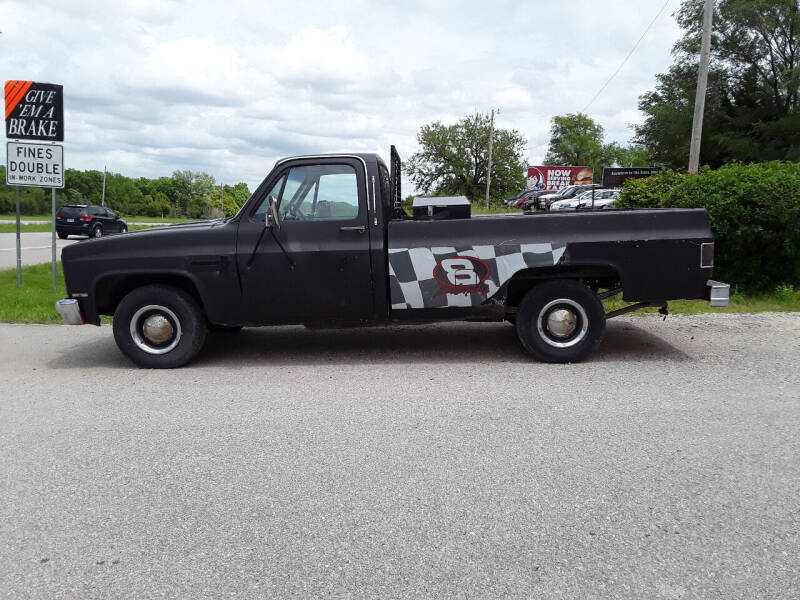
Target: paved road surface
column 41, row 222
column 36, row 248
column 415, row 462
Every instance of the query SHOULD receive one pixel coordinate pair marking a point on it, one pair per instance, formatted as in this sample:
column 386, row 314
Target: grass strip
column 35, row 301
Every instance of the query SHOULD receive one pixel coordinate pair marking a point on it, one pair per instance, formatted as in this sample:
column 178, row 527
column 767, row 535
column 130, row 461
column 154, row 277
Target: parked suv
column 89, row 220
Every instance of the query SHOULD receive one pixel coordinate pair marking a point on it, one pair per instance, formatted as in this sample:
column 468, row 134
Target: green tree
column 577, row 140
column 453, row 159
column 752, row 104
column 193, row 192
column 627, row 156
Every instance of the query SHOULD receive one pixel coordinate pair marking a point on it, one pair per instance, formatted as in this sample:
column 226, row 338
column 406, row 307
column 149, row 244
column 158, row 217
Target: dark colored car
column 515, row 200
column 89, row 220
column 531, row 200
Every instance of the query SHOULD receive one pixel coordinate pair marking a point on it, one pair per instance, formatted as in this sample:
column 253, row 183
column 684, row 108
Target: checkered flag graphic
column 413, row 285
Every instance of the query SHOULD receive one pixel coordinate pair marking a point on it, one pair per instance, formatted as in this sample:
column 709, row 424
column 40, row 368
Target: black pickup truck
column 324, row 241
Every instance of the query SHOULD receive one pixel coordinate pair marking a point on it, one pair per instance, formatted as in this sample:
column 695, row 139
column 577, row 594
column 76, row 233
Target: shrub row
column 755, row 216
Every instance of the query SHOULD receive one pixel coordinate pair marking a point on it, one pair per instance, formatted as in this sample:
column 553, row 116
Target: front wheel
column 159, row 327
column 560, row 321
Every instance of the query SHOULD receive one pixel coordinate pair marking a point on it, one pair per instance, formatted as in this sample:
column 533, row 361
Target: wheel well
column 109, row 291
column 595, row 277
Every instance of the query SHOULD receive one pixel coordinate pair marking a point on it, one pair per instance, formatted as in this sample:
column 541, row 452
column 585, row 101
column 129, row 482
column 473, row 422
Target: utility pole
column 702, row 81
column 222, row 197
column 103, row 199
column 489, row 170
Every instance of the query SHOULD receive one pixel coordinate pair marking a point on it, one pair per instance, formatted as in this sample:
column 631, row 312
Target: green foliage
column 752, row 103
column 453, row 160
column 755, row 216
column 577, row 140
column 35, row 301
column 185, row 194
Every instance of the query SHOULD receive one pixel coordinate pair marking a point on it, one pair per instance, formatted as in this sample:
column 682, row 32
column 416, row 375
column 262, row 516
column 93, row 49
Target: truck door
column 316, row 267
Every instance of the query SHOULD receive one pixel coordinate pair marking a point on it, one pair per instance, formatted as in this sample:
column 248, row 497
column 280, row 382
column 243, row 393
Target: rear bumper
column 718, row 293
column 73, row 228
column 70, row 311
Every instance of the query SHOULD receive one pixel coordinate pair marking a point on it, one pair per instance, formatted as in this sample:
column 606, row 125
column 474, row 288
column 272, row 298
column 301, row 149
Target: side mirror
column 272, row 217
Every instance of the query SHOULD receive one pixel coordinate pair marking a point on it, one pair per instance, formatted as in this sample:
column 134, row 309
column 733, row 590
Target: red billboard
column 555, row 178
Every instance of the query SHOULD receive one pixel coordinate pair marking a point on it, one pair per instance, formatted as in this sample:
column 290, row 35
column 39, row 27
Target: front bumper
column 718, row 293
column 70, row 311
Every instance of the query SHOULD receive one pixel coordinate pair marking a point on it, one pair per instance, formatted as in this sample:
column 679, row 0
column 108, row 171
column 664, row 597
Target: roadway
column 36, row 248
column 404, row 462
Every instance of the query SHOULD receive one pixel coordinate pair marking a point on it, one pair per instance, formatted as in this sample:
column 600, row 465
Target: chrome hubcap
column 562, row 322
column 155, row 329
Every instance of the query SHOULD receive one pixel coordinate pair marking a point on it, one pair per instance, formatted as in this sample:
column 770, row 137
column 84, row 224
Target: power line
column 605, row 85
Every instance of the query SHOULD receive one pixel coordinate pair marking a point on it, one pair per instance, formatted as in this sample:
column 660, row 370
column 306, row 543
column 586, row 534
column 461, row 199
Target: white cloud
column 154, row 85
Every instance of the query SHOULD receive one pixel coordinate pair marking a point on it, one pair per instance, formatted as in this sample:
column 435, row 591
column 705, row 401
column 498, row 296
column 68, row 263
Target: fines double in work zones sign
column 34, row 111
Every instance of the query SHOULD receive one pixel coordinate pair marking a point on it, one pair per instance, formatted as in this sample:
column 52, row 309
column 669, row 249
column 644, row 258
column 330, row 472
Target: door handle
column 358, row 228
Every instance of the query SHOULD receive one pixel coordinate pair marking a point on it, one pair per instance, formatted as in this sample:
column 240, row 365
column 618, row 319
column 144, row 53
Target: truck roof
column 367, row 157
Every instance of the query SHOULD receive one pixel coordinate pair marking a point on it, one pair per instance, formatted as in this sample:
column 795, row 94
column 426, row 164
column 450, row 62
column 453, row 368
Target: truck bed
column 655, row 253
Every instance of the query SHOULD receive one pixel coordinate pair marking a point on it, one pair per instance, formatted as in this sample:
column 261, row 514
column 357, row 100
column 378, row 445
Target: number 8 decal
column 460, row 271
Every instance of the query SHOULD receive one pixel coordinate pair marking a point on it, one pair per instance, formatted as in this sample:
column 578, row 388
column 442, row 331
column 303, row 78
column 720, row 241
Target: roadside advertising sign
column 554, row 178
column 615, row 177
column 34, row 111
column 36, row 165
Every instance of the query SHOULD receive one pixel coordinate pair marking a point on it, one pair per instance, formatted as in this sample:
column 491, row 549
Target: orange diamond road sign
column 34, row 111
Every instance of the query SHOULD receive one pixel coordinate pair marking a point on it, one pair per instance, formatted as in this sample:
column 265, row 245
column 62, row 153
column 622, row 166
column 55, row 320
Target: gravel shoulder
column 404, row 462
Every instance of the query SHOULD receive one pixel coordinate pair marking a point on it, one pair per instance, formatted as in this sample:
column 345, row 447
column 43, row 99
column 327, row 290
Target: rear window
column 71, row 211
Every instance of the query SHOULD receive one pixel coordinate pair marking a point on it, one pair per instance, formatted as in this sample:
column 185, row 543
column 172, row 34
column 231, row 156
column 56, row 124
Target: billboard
column 34, row 111
column 554, row 178
column 615, row 177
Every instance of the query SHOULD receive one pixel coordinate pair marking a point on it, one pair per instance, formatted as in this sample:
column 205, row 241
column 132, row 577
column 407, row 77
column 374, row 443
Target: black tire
column 97, row 231
column 185, row 327
column 570, row 338
column 124, row 229
column 62, row 236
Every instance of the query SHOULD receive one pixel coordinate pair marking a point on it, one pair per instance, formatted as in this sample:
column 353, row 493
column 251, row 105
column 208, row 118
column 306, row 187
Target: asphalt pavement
column 36, row 248
column 428, row 461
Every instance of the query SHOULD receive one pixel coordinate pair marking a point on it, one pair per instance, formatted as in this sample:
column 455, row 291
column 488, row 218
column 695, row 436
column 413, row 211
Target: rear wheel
column 560, row 321
column 62, row 236
column 159, row 327
column 97, row 231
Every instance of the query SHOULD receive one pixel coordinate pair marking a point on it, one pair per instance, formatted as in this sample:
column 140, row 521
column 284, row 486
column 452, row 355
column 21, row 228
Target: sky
column 151, row 86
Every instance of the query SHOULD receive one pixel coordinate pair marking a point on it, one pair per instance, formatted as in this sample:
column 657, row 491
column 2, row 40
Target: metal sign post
column 19, row 245
column 53, row 238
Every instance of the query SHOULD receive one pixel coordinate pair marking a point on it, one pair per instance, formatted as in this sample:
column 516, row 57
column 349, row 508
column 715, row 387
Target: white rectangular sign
column 37, row 165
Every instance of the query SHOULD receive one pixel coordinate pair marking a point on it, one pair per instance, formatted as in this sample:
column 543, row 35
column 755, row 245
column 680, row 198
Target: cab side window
column 320, row 193
column 315, row 192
